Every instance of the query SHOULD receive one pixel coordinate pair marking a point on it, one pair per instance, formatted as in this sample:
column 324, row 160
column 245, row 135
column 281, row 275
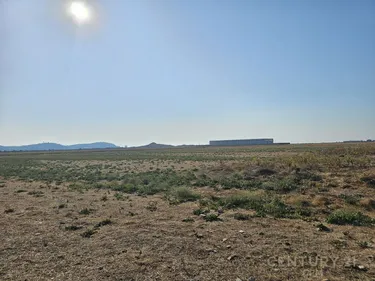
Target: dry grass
column 97, row 216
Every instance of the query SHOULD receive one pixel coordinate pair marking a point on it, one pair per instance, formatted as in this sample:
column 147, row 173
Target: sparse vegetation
column 86, row 211
column 208, row 204
column 349, row 217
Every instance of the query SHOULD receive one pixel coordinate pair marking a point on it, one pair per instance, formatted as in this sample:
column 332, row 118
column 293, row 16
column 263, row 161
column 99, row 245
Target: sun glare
column 80, row 12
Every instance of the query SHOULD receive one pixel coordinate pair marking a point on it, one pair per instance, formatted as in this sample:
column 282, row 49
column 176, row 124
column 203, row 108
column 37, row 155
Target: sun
column 80, row 12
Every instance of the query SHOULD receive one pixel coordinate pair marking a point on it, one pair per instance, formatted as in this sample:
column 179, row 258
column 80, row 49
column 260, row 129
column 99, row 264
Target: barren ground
column 111, row 216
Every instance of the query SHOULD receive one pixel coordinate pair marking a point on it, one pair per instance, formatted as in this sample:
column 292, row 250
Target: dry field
column 292, row 212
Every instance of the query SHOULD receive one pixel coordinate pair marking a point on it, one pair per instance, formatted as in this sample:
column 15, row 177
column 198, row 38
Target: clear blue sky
column 187, row 71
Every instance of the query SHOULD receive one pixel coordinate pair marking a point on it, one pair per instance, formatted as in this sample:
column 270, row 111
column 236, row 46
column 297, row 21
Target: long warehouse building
column 241, row 142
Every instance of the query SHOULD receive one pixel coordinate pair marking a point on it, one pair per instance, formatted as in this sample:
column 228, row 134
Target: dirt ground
column 146, row 239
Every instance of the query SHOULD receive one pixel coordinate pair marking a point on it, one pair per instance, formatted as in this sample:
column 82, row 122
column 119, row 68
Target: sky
column 187, row 71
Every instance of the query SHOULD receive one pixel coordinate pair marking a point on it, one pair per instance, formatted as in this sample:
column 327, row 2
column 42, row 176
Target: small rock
column 225, row 239
column 238, row 279
column 361, row 267
column 241, row 231
column 229, row 246
column 251, row 278
column 199, row 235
column 231, row 257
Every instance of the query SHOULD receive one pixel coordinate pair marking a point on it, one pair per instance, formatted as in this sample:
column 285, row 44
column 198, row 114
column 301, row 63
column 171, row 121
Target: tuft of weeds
column 343, row 217
column 36, row 193
column 182, row 194
column 350, row 199
column 119, row 196
column 188, row 220
column 199, row 212
column 103, row 223
column 72, row 227
column 88, row 233
column 241, row 216
column 104, row 198
column 364, row 244
column 86, row 211
column 212, row 217
column 322, row 227
column 20, row 190
column 152, row 206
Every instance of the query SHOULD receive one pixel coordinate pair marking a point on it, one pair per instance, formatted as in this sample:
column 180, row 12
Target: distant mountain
column 56, row 146
column 155, row 145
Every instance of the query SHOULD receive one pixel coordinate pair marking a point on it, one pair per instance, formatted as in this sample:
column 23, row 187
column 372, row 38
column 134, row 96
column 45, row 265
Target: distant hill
column 155, row 145
column 56, row 146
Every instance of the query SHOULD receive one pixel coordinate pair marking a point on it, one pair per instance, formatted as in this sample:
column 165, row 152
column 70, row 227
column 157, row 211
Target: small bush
column 188, row 220
column 343, row 217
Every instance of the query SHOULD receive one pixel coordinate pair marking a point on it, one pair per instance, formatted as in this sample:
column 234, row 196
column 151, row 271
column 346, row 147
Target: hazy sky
column 187, row 71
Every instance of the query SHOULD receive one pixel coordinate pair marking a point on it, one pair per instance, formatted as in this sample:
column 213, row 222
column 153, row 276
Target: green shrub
column 343, row 217
column 212, row 217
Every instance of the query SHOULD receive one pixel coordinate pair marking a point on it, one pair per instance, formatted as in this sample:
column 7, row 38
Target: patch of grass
column 152, row 206
column 343, row 217
column 88, row 233
column 241, row 217
column 72, row 227
column 212, row 217
column 339, row 244
column 350, row 199
column 36, row 193
column 182, row 194
column 119, row 196
column 188, row 220
column 103, row 223
column 199, row 211
column 86, row 211
column 364, row 244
